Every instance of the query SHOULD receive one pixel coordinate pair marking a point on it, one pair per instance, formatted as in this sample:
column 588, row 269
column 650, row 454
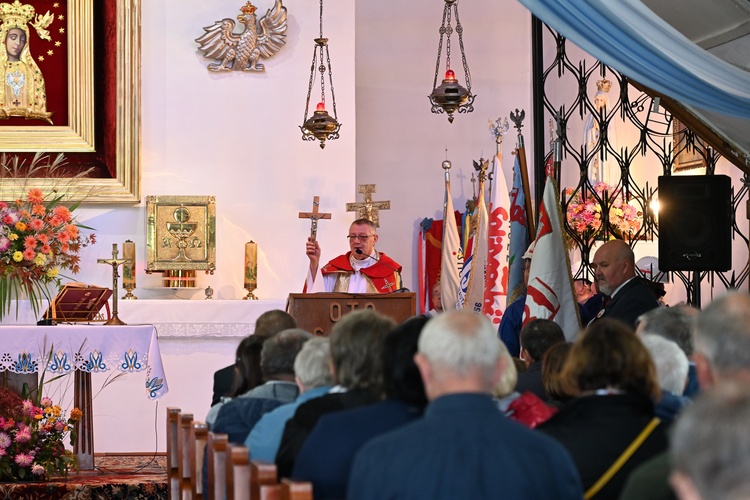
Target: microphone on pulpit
column 359, row 251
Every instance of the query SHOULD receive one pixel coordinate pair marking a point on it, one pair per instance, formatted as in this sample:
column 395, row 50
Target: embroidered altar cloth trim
column 90, row 348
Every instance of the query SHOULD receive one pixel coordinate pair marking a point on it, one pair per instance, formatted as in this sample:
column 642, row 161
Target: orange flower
column 76, row 414
column 72, row 231
column 38, row 210
column 29, row 242
column 62, row 213
column 36, row 224
column 29, row 254
column 21, row 226
column 35, row 196
column 63, row 237
column 43, row 238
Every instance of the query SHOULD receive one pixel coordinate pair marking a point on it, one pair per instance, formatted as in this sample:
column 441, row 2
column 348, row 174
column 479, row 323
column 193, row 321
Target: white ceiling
column 722, row 27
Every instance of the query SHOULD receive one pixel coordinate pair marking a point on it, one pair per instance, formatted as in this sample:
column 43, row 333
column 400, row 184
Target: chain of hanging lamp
column 320, row 126
column 450, row 96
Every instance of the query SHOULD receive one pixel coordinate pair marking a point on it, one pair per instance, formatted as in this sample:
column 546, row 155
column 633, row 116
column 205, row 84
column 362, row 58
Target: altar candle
column 251, row 264
column 128, row 269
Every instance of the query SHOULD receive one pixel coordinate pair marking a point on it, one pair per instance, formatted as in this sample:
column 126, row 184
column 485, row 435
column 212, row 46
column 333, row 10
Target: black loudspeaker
column 695, row 223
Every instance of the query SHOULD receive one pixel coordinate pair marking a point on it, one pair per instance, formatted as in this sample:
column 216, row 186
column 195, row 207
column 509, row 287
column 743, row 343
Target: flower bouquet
column 584, row 215
column 39, row 237
column 31, row 438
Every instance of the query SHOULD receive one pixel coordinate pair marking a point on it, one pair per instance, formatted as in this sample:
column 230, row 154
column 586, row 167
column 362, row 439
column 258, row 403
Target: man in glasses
column 361, row 270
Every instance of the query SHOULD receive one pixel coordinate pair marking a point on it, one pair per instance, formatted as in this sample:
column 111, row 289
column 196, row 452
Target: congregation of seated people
column 436, row 407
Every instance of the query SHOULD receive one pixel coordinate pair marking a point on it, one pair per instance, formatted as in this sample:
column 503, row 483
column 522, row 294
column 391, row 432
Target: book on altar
column 79, row 302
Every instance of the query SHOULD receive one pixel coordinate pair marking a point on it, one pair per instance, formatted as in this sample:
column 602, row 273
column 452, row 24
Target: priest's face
column 362, row 237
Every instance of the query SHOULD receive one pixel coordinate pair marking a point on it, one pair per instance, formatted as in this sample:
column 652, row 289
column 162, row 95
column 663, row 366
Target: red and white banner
column 498, row 239
column 550, row 291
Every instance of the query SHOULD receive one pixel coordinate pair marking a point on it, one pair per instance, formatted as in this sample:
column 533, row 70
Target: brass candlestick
column 115, row 263
column 129, row 296
column 250, row 295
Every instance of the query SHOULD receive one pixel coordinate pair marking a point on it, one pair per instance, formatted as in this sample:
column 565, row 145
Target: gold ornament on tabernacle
column 243, row 51
column 181, row 233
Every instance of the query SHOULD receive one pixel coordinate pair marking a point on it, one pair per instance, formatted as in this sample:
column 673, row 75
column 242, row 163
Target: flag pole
column 518, row 118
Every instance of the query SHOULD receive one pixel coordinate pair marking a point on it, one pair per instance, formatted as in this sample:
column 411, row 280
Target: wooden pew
column 173, row 458
column 217, row 467
column 197, row 451
column 184, row 472
column 263, row 481
column 264, row 484
column 296, row 490
column 237, row 472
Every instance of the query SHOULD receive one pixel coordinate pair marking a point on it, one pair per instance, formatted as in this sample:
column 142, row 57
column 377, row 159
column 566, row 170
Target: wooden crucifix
column 368, row 209
column 314, row 216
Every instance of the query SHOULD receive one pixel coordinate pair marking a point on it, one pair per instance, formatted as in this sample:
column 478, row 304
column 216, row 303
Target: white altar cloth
column 88, row 348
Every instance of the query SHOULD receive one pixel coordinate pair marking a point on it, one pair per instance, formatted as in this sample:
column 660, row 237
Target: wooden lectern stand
column 317, row 312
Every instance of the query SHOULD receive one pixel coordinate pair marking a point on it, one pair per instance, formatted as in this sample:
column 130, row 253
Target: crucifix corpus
column 314, row 216
column 368, row 209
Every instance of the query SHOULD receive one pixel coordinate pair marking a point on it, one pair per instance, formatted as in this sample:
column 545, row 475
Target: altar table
column 82, row 350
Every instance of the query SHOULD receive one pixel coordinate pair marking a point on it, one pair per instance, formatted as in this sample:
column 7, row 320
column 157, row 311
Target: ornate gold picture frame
column 181, row 233
column 78, row 135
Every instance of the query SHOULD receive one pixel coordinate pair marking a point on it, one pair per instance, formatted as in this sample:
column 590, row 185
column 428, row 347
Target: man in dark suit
column 627, row 296
column 463, row 447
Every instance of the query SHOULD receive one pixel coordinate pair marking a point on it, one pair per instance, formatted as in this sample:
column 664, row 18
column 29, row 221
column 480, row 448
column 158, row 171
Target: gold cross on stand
column 115, row 263
column 368, row 209
column 314, row 216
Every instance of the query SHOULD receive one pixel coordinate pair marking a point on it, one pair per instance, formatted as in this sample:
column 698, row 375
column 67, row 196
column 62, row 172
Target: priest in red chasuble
column 361, row 270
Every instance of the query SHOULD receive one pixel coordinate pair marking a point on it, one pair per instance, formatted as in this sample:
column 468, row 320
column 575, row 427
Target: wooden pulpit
column 317, row 312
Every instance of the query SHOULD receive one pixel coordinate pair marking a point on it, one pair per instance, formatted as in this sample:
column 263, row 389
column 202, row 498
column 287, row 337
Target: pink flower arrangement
column 39, row 237
column 31, row 438
column 584, row 216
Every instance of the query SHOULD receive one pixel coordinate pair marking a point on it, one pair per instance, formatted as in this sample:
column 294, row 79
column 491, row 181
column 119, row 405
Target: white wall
column 400, row 143
column 236, row 136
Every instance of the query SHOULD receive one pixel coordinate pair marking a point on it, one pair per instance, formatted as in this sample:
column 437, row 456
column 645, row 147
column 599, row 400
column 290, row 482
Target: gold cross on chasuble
column 368, row 209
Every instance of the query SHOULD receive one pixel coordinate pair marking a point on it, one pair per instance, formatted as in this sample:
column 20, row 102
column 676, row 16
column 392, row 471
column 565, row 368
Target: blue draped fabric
column 630, row 38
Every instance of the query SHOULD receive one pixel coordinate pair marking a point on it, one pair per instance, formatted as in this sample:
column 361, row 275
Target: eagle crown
column 248, row 8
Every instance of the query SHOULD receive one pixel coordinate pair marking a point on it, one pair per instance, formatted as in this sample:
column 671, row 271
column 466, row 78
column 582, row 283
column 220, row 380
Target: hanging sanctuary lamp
column 321, row 125
column 451, row 95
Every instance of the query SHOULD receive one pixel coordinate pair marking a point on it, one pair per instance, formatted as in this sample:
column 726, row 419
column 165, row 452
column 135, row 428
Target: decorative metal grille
column 649, row 143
